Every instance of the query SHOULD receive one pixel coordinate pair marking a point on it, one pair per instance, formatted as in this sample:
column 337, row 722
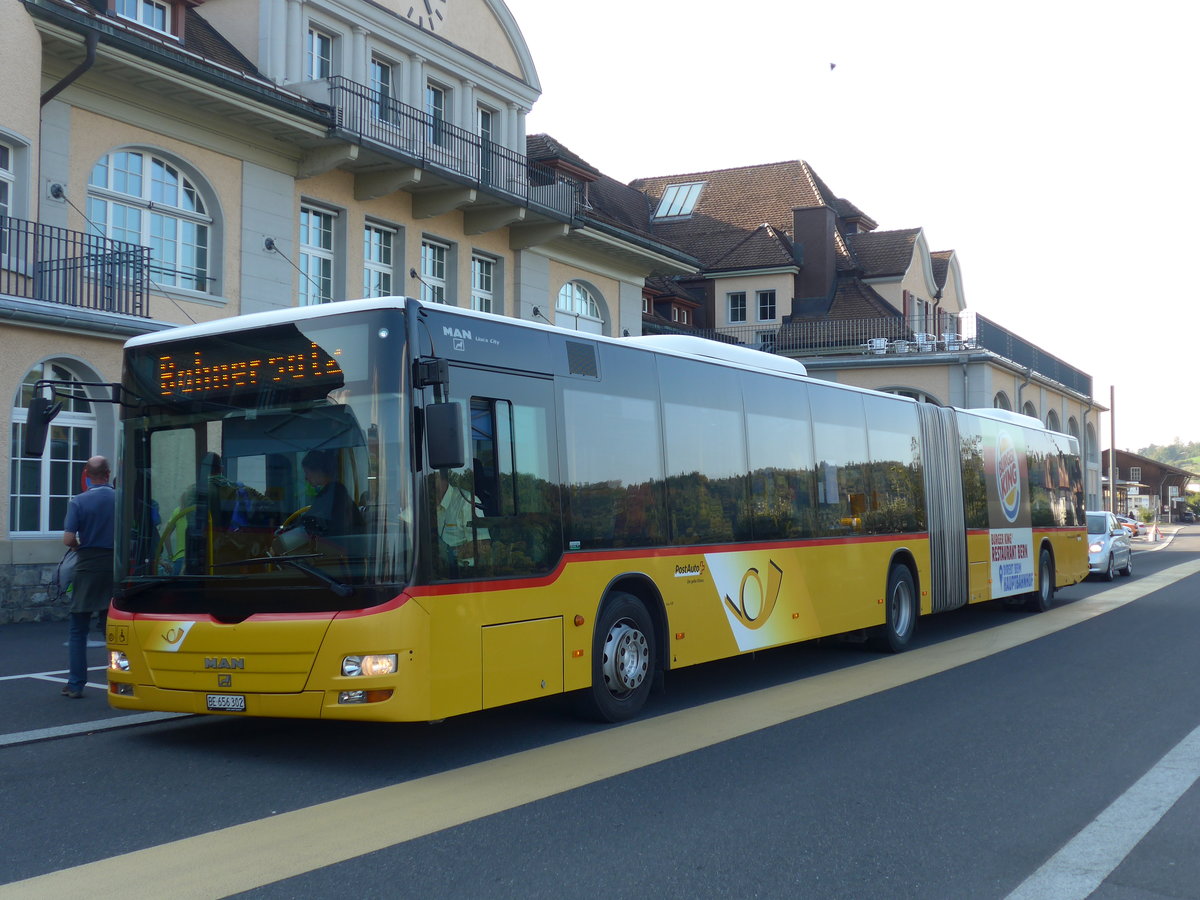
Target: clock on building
column 427, row 14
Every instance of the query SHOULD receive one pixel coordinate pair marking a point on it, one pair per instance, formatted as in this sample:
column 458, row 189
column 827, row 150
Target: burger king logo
column 1008, row 476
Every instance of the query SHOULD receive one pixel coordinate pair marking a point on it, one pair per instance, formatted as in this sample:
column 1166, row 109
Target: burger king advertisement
column 1011, row 534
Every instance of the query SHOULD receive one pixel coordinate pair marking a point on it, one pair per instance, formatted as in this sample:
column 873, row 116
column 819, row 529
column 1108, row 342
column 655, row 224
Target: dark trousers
column 77, row 675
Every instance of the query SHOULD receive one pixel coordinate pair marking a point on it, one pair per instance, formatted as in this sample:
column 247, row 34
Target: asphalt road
column 1009, row 752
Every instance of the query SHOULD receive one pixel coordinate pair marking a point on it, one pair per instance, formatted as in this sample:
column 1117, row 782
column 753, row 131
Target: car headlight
column 371, row 664
column 1096, row 547
column 118, row 661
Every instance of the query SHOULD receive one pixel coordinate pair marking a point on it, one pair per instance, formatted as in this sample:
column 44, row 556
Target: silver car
column 1108, row 546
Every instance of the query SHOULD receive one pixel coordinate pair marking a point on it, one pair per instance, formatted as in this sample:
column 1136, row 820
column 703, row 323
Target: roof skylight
column 679, row 200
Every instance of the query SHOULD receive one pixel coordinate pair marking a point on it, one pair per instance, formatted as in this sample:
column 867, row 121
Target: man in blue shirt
column 89, row 530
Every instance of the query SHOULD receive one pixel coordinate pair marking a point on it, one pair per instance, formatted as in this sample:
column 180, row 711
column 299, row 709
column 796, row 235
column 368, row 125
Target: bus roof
column 674, row 344
column 690, row 345
column 262, row 319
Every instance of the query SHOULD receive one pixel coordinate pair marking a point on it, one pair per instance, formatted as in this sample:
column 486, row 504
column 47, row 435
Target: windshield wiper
column 296, row 562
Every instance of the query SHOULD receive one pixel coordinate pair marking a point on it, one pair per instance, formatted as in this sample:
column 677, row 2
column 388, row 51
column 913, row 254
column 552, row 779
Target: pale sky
column 1051, row 144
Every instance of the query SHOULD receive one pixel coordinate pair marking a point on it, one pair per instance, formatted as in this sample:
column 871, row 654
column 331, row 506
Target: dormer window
column 679, row 200
column 152, row 14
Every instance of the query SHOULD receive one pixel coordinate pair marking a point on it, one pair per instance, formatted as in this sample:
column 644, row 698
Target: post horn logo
column 754, row 604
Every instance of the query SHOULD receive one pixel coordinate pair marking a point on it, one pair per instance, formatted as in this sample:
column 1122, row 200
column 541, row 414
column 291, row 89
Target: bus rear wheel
column 1043, row 598
column 624, row 661
column 900, row 611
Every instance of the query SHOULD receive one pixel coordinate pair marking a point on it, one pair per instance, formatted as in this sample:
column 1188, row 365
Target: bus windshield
column 267, row 471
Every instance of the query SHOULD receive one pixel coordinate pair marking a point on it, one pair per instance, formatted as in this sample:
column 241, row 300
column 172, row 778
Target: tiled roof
column 668, row 287
column 545, row 149
column 764, row 247
column 200, row 39
column 940, row 261
column 852, row 299
column 883, row 253
column 722, row 230
column 741, row 198
column 610, row 200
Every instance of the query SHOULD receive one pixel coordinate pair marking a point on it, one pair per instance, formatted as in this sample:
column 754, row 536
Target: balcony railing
column 434, row 144
column 56, row 265
column 888, row 337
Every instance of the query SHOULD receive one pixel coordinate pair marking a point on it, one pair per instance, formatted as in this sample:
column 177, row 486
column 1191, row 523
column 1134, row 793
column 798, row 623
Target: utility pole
column 1112, row 448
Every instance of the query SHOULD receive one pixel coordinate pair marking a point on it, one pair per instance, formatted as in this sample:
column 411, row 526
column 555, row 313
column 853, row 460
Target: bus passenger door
column 497, row 517
column 499, row 514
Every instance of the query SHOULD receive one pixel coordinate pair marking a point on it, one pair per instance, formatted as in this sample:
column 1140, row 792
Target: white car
column 1109, row 551
column 1133, row 526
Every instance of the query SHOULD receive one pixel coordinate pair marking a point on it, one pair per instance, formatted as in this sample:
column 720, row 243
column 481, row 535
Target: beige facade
column 225, row 123
column 782, row 283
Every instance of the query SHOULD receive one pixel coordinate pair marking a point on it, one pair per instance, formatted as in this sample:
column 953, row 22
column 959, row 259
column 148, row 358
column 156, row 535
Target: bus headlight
column 373, row 664
column 118, row 661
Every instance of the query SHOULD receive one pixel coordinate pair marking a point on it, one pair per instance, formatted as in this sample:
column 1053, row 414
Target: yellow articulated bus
column 385, row 510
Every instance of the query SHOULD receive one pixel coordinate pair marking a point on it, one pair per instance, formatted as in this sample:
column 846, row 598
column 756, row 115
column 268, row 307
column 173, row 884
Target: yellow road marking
column 246, row 856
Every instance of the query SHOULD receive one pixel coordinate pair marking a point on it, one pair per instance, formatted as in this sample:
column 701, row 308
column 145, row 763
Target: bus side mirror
column 37, row 425
column 444, row 436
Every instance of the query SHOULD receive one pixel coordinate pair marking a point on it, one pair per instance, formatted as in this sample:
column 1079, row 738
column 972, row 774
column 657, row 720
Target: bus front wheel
column 624, row 661
column 900, row 610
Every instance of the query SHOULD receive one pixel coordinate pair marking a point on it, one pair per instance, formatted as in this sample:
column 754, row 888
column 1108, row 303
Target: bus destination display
column 225, row 368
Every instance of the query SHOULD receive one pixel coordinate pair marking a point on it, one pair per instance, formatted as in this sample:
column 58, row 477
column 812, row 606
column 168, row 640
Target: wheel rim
column 1112, row 567
column 626, row 659
column 902, row 608
column 1044, row 583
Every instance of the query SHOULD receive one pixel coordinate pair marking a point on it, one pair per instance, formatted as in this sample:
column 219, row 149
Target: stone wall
column 27, row 594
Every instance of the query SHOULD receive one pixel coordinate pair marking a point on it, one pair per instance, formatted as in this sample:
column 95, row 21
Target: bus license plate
column 226, row 703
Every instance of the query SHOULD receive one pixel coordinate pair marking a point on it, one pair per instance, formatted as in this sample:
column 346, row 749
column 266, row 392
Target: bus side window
column 515, row 526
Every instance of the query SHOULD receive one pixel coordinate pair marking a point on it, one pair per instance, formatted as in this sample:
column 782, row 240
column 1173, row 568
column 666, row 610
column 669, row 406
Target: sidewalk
column 1145, row 543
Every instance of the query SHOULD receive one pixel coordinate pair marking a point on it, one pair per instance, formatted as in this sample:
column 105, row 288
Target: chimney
column 814, row 228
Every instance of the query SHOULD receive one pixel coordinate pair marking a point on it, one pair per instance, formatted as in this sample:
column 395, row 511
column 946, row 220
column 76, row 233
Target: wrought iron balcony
column 435, row 145
column 889, row 337
column 56, row 265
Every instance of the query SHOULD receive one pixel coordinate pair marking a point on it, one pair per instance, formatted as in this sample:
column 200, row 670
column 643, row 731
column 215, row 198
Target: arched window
column 1001, row 401
column 140, row 198
column 1052, row 421
column 1093, row 446
column 578, row 308
column 1073, row 427
column 1029, row 409
column 42, row 487
column 913, row 393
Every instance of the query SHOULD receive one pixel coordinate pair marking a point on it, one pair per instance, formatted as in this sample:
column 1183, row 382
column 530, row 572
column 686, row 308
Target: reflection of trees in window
column 613, row 455
column 1068, row 484
column 782, row 471
column 840, row 444
column 706, row 451
column 1042, row 474
column 896, row 503
column 974, row 481
column 704, row 509
column 609, row 514
column 781, row 503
